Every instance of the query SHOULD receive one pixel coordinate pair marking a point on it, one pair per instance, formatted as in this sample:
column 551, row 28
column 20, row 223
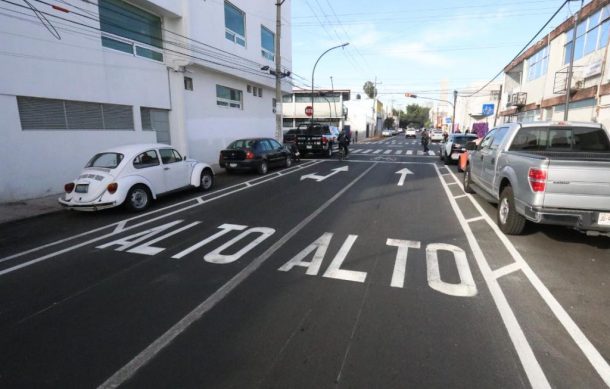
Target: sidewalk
column 24, row 209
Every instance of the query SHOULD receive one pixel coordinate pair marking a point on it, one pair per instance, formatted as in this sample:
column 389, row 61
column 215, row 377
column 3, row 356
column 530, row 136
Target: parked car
column 436, row 136
column 258, row 154
column 134, row 175
column 544, row 172
column 410, row 133
column 454, row 146
column 386, row 132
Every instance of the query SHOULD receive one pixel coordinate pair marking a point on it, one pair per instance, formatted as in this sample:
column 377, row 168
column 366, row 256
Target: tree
column 369, row 89
column 416, row 116
column 388, row 122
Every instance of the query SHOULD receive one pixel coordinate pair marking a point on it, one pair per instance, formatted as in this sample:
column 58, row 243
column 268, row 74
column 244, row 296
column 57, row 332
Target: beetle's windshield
column 105, row 160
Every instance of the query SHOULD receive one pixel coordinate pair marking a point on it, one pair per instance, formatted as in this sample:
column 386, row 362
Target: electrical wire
column 43, row 20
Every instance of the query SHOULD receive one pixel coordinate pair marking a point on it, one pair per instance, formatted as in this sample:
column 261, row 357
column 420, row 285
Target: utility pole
column 278, row 70
column 374, row 108
column 332, row 89
column 455, row 93
column 571, row 66
column 498, row 107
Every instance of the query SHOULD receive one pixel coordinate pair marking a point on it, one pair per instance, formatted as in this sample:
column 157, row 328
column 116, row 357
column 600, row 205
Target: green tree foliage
column 388, row 122
column 415, row 116
column 369, row 89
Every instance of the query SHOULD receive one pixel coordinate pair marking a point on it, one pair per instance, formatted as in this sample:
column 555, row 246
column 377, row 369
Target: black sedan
column 255, row 154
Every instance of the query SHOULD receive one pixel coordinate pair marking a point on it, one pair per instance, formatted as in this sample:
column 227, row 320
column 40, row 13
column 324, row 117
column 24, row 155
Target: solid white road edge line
column 164, row 340
column 526, row 355
column 598, row 362
column 115, row 232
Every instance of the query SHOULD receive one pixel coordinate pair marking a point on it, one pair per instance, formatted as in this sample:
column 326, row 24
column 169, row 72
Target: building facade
column 535, row 83
column 328, row 107
column 93, row 75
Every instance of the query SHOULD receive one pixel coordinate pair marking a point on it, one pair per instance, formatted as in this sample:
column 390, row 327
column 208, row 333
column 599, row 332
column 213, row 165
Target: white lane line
column 71, row 248
column 387, row 151
column 377, row 151
column 164, row 340
column 593, row 355
column 398, row 152
column 526, row 355
column 474, row 219
column 506, row 270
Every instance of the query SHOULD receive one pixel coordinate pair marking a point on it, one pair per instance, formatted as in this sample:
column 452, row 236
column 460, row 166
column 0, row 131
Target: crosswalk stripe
column 409, row 152
column 377, row 151
column 367, row 151
column 355, row 151
column 430, row 152
column 398, row 152
column 387, row 151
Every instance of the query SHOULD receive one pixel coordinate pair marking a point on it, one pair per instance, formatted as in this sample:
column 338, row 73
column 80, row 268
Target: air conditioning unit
column 577, row 83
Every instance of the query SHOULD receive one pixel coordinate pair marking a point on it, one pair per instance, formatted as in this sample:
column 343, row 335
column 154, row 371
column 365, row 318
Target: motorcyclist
column 344, row 141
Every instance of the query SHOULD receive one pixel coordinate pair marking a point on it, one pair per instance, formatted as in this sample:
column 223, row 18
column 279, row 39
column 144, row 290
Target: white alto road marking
column 506, row 270
column 218, row 257
column 133, row 239
column 535, row 375
column 334, row 269
column 229, row 191
column 474, row 219
column 148, row 249
column 146, row 355
column 400, row 266
column 598, row 362
column 403, row 175
column 318, row 178
column 320, row 246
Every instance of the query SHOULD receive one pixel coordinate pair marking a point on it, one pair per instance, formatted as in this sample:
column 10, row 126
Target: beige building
column 535, row 82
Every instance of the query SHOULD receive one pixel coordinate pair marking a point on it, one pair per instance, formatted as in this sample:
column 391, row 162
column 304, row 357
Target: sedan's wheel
column 467, row 178
column 138, row 198
column 262, row 168
column 207, row 180
column 509, row 221
column 288, row 162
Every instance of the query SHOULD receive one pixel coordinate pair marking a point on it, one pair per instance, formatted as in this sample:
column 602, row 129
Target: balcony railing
column 518, row 99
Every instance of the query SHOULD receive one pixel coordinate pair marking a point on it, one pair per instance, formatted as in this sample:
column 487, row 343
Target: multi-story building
column 470, row 110
column 536, row 82
column 80, row 77
column 328, row 107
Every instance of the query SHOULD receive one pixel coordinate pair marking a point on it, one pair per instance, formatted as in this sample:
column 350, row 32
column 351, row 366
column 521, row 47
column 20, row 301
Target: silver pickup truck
column 545, row 172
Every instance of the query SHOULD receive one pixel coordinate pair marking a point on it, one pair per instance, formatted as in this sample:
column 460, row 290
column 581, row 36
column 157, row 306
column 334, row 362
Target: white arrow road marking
column 318, row 178
column 403, row 175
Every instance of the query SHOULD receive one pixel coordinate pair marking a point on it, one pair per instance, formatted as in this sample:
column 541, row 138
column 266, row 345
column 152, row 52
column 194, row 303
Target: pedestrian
column 425, row 140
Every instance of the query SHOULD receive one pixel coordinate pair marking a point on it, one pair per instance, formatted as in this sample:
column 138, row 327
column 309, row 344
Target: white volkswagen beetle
column 134, row 175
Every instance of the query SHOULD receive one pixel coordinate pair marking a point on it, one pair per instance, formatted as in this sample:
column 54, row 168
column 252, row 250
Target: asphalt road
column 376, row 271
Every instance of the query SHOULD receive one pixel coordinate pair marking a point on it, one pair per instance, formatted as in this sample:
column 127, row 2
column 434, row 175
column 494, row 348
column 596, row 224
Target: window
column 267, row 43
column 591, row 35
column 287, row 99
column 105, row 160
column 188, row 83
column 486, row 142
column 130, row 29
column 498, row 137
column 235, row 24
column 52, row 114
column 287, row 122
column 227, row 97
column 561, row 139
column 169, row 156
column 275, row 144
column 146, row 159
column 537, row 64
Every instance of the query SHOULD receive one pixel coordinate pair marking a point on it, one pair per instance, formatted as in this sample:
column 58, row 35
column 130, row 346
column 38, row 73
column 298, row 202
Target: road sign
column 309, row 110
column 488, row 109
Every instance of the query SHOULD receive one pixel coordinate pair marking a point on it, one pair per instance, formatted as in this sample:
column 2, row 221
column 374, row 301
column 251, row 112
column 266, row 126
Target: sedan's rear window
column 561, row 139
column 105, row 160
column 463, row 139
column 241, row 144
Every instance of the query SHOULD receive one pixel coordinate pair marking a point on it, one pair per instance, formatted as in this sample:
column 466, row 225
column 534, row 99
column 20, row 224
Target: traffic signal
column 411, row 95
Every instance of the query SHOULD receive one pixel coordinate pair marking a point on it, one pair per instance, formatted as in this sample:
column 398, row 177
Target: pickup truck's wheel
column 138, row 198
column 509, row 221
column 207, row 180
column 288, row 162
column 263, row 168
column 467, row 182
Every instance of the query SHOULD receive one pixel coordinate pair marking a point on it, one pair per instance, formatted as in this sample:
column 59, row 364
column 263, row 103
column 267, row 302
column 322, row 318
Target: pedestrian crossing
column 393, row 142
column 393, row 152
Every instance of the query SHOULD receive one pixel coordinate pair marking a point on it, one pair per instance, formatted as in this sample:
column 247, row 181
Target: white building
column 328, row 107
column 535, row 82
column 361, row 120
column 177, row 71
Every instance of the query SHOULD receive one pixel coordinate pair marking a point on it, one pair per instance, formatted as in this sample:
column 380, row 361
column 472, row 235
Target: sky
column 414, row 46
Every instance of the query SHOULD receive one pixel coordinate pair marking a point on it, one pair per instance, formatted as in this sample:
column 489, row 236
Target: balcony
column 517, row 100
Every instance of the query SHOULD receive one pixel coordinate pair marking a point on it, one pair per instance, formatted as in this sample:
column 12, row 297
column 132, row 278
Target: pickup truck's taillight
column 324, row 141
column 537, row 179
column 249, row 155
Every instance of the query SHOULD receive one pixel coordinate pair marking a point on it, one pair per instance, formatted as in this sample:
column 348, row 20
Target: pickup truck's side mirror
column 471, row 146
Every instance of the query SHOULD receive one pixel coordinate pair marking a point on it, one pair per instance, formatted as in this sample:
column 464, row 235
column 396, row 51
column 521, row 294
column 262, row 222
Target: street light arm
column 431, row 98
column 314, row 71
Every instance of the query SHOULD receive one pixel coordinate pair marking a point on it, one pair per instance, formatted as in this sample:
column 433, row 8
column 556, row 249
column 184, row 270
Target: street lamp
column 314, row 71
